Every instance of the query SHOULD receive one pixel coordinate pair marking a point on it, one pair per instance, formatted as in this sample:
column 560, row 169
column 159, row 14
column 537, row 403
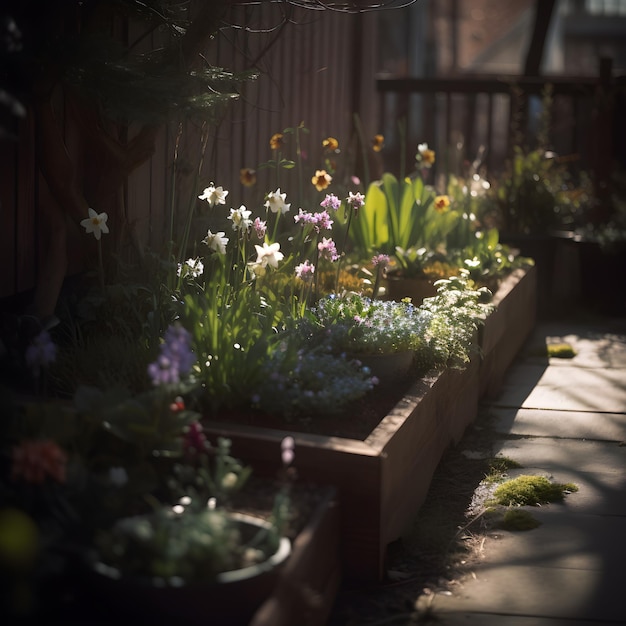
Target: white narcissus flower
column 96, row 223
column 269, row 254
column 192, row 267
column 276, row 202
column 216, row 241
column 214, row 195
column 240, row 218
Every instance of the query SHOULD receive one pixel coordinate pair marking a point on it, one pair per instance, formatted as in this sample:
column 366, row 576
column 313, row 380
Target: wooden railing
column 460, row 117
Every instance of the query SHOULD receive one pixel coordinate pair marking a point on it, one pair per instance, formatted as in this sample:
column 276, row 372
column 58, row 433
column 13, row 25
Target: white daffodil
column 240, row 218
column 214, row 195
column 268, row 255
column 276, row 202
column 192, row 267
column 96, row 223
column 216, row 241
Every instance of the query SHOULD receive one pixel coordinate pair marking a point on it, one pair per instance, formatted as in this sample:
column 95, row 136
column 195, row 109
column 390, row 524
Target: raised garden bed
column 383, row 478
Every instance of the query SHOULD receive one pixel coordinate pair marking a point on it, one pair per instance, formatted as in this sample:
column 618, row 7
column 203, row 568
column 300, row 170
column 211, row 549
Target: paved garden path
column 565, row 419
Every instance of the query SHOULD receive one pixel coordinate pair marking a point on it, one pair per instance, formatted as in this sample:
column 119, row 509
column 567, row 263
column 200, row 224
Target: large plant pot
column 383, row 479
column 399, row 287
column 231, row 600
column 388, row 368
column 602, row 270
column 557, row 268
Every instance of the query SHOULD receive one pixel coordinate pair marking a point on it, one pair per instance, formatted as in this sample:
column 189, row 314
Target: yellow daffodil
column 276, row 142
column 321, row 180
column 378, row 142
column 330, row 144
column 442, row 203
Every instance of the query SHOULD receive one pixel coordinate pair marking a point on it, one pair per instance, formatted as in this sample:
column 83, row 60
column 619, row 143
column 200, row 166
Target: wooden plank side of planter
column 309, row 582
column 507, row 328
column 409, row 461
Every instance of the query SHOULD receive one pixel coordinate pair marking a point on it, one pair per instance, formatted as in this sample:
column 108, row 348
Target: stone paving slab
column 593, row 348
column 537, row 592
column 564, row 540
column 564, row 455
column 564, row 424
column 570, row 389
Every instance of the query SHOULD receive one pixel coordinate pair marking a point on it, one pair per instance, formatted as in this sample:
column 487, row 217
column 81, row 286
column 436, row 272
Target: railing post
column 601, row 141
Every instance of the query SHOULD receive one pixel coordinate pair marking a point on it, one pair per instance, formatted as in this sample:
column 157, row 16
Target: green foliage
column 531, row 490
column 233, row 328
column 518, row 519
column 145, row 420
column 537, row 192
column 399, row 214
column 456, row 312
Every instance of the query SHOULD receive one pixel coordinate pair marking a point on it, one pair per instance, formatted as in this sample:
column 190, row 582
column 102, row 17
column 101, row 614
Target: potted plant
column 536, row 202
column 382, row 335
column 430, row 235
column 197, row 556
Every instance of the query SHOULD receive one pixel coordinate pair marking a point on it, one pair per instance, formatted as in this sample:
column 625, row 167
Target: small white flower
column 216, row 241
column 240, row 218
column 96, row 223
column 276, row 202
column 268, row 255
column 214, row 195
column 118, row 476
column 191, row 267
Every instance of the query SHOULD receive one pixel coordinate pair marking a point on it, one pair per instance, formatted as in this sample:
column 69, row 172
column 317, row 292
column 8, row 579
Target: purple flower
column 259, row 227
column 41, row 352
column 319, row 221
column 331, row 201
column 176, row 357
column 328, row 249
column 382, row 260
column 305, row 271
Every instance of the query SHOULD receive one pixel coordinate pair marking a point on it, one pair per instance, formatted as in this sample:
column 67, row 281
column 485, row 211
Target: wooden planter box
column 309, row 581
column 383, row 480
column 507, row 328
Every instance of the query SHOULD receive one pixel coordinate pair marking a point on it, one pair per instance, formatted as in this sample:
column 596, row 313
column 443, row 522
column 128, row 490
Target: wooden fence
column 315, row 69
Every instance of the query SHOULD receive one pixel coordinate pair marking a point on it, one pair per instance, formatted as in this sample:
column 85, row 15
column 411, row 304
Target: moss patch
column 560, row 351
column 518, row 519
column 531, row 490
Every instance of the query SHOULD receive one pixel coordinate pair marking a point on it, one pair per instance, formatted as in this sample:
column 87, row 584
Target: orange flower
column 378, row 142
column 276, row 142
column 330, row 144
column 442, row 203
column 247, row 176
column 34, row 460
column 321, row 180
